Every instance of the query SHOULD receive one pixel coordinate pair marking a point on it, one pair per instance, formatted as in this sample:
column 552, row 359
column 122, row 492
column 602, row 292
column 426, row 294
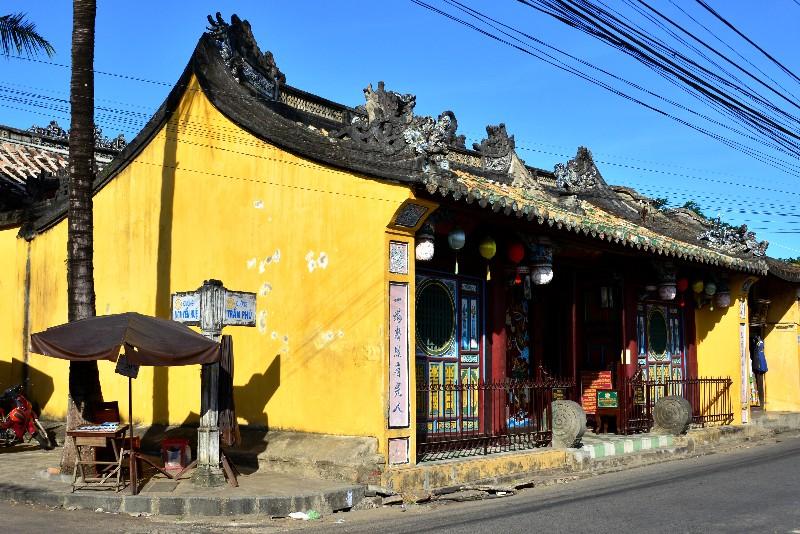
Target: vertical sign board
column 398, row 356
column 745, row 374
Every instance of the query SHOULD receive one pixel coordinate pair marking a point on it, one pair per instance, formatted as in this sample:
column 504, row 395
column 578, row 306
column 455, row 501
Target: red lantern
column 682, row 284
column 516, row 252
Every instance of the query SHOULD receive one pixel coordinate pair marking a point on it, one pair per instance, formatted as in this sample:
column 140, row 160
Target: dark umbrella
column 145, row 340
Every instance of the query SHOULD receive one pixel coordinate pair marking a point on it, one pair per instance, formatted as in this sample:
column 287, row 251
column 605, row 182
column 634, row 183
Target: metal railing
column 710, row 399
column 467, row 419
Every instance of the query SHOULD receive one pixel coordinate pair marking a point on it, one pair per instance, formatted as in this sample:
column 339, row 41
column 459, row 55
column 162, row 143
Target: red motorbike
column 17, row 419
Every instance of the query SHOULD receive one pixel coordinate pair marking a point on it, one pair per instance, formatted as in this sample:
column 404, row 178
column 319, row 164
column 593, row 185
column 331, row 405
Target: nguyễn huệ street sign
column 186, row 307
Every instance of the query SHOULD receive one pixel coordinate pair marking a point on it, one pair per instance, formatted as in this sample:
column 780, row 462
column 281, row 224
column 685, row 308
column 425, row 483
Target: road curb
column 325, row 502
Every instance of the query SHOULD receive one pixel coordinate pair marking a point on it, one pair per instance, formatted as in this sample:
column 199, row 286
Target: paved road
column 754, row 489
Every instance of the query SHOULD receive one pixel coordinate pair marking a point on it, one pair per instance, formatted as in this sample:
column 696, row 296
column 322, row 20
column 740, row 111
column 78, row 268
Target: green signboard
column 607, row 398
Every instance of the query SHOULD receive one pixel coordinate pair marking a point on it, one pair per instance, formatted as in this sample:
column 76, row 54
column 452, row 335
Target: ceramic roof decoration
column 384, row 139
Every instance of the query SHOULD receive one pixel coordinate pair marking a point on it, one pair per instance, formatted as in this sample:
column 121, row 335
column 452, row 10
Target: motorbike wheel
column 42, row 438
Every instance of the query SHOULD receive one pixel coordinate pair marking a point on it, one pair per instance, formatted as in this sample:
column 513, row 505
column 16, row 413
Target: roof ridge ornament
column 54, row 132
column 733, row 239
column 580, row 173
column 241, row 54
column 386, row 123
column 496, row 150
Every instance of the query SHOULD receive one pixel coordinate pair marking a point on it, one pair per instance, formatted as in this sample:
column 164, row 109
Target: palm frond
column 20, row 36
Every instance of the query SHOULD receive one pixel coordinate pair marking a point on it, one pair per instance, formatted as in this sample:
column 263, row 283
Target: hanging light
column 456, row 239
column 697, row 286
column 542, row 263
column 425, row 248
column 710, row 288
column 682, row 284
column 722, row 298
column 667, row 291
column 516, row 252
column 487, row 248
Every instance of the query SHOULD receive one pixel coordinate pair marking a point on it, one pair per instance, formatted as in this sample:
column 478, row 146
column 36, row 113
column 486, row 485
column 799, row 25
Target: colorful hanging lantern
column 709, row 289
column 516, row 252
column 425, row 244
column 456, row 239
column 487, row 249
column 682, row 284
column 697, row 286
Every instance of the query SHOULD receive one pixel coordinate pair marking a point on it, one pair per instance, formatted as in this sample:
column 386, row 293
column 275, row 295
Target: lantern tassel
column 456, row 262
column 488, row 273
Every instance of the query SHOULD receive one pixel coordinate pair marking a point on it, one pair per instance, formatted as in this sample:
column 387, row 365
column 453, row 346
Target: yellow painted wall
column 206, row 200
column 718, row 344
column 12, row 271
column 782, row 381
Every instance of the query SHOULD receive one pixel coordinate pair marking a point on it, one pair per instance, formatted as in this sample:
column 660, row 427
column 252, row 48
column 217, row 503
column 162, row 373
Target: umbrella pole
column 131, row 458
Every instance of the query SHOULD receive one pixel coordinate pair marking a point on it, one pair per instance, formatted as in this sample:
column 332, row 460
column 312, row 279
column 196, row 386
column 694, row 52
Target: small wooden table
column 103, row 474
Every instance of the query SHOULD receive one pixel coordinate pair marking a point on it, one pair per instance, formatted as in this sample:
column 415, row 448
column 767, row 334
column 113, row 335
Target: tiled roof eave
column 621, row 232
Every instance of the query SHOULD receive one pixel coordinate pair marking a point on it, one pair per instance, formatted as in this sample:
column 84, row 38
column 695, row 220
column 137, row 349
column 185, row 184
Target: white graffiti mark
column 262, row 321
column 322, row 261
column 258, row 204
column 265, row 289
column 251, row 263
column 276, row 256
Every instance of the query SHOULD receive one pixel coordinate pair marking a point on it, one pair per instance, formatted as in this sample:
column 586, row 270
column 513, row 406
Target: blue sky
column 334, row 49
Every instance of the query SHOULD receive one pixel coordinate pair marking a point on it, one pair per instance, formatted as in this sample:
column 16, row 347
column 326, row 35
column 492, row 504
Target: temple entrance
column 449, row 351
column 662, row 353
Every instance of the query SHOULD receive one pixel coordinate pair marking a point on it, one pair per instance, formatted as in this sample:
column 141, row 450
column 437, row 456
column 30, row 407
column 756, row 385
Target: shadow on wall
column 251, row 402
column 163, row 303
column 39, row 388
column 706, row 319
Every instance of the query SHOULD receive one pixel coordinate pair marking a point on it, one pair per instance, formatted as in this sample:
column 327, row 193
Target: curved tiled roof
column 385, row 140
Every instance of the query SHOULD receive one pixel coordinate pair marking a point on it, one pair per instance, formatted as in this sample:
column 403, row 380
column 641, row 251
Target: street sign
column 186, row 307
column 240, row 309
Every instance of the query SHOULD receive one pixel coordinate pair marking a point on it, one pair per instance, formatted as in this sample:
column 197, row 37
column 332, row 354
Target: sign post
column 212, row 307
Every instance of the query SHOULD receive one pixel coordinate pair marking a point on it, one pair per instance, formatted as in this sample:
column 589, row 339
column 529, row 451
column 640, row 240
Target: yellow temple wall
column 718, row 349
column 204, row 199
column 782, row 380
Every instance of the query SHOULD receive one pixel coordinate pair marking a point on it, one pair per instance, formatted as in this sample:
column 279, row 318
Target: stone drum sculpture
column 672, row 415
column 569, row 423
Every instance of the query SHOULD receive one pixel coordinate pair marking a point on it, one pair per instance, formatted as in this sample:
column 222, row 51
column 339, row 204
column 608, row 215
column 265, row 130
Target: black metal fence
column 710, row 399
column 466, row 419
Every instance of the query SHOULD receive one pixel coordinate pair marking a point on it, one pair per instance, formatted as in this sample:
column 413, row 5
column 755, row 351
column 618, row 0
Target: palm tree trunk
column 84, row 382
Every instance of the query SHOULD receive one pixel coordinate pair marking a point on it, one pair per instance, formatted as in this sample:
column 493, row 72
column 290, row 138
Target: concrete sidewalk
column 266, row 493
column 24, row 478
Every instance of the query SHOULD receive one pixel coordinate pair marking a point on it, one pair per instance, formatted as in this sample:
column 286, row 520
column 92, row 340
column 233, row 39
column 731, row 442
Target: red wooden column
column 629, row 338
column 496, row 366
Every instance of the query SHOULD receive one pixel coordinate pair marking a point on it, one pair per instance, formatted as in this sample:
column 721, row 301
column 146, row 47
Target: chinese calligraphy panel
column 398, row 394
